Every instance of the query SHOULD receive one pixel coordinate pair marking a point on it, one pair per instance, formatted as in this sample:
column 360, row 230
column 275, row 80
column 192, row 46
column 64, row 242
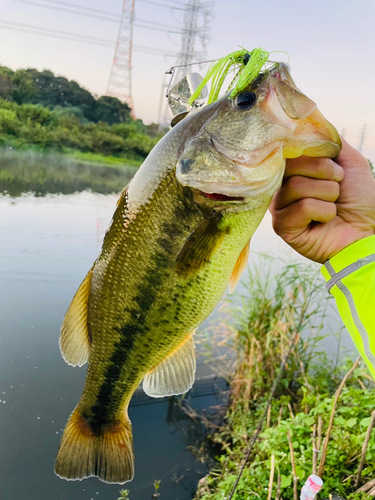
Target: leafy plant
column 124, row 495
column 66, row 128
column 156, row 495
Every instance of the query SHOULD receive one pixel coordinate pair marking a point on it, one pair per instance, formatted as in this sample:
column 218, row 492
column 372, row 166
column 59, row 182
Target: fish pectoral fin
column 75, row 340
column 175, row 374
column 200, row 246
column 239, row 267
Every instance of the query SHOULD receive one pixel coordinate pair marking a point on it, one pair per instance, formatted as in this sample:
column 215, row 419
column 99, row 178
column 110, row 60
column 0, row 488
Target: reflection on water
column 41, row 174
column 47, row 245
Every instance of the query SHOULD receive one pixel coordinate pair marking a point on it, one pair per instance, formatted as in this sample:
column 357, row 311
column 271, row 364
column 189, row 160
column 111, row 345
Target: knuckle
column 333, row 209
column 335, row 190
column 305, row 205
column 325, row 168
column 296, row 183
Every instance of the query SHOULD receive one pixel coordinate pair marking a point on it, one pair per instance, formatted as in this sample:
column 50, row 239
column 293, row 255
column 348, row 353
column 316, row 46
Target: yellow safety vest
column 350, row 277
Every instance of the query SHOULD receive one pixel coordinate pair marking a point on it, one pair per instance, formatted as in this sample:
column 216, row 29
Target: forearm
column 350, row 277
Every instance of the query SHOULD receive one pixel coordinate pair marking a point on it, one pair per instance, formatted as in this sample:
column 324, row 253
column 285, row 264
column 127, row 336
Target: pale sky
column 331, row 45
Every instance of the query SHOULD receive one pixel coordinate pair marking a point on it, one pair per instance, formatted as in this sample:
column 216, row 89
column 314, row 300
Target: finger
column 298, row 187
column 348, row 153
column 349, row 157
column 295, row 218
column 316, row 168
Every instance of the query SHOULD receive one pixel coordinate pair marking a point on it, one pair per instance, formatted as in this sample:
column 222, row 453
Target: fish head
column 239, row 153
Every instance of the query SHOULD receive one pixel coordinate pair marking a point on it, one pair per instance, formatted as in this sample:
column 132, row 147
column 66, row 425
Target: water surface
column 53, row 215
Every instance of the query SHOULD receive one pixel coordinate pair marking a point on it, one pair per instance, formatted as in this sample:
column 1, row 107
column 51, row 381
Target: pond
column 53, row 215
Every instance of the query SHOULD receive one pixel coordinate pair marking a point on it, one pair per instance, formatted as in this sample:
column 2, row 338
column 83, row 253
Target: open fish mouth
column 221, row 197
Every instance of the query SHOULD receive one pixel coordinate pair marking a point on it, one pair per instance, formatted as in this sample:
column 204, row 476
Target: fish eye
column 246, row 100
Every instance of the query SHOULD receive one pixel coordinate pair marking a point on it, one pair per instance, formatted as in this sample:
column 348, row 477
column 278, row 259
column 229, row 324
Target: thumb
column 350, row 158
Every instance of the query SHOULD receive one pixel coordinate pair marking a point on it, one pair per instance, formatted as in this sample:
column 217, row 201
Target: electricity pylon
column 197, row 16
column 120, row 80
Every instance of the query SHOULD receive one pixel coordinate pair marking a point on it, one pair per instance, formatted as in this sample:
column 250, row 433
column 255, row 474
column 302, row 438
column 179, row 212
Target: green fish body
column 179, row 235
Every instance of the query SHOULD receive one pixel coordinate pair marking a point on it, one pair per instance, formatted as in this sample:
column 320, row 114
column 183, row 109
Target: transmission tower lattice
column 197, row 16
column 120, row 80
column 193, row 31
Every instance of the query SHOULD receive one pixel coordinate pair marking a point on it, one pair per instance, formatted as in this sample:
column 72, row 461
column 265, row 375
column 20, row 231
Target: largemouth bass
column 179, row 236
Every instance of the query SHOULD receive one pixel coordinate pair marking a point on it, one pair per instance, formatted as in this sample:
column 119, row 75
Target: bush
column 9, row 123
column 36, row 125
column 43, row 87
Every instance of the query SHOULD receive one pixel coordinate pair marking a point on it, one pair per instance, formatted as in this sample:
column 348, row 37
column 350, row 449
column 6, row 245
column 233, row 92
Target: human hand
column 324, row 205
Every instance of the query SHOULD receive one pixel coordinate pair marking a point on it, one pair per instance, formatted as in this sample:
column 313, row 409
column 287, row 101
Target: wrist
column 347, row 239
column 354, row 252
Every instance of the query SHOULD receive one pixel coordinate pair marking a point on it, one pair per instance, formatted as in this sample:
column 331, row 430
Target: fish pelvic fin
column 200, row 246
column 85, row 453
column 175, row 374
column 75, row 340
column 239, row 267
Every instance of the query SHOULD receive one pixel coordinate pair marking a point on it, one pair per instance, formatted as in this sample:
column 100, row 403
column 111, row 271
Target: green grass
column 99, row 159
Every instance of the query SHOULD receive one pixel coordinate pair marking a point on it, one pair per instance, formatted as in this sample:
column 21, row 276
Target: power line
column 173, row 2
column 160, row 52
column 36, row 30
column 81, row 7
column 158, row 25
column 25, row 30
column 61, row 9
column 162, row 30
column 87, row 14
column 57, row 33
column 105, row 12
column 162, row 5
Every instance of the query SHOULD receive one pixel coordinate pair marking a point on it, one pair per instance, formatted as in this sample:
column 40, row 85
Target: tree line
column 44, row 111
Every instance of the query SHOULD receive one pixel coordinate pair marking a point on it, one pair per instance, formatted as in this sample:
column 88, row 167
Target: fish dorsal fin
column 239, row 267
column 175, row 374
column 122, row 195
column 200, row 246
column 75, row 338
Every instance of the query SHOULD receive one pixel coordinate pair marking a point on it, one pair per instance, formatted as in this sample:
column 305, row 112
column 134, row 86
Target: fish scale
column 155, row 329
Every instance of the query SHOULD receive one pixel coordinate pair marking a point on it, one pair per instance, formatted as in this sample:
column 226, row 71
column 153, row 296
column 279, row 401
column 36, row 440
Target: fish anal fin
column 75, row 340
column 175, row 374
column 84, row 453
column 200, row 246
column 239, row 267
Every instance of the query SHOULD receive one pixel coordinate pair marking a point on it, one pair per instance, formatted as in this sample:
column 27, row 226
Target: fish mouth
column 221, row 197
column 255, row 174
column 247, row 158
column 242, row 175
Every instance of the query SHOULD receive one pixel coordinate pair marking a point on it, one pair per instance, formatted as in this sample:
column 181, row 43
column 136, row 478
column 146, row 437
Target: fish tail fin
column 107, row 455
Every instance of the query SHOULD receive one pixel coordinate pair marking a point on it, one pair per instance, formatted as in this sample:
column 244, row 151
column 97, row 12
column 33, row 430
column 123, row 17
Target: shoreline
column 93, row 159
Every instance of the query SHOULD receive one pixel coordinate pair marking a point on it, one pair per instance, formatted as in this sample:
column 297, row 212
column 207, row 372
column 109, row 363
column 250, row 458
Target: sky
column 331, row 45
